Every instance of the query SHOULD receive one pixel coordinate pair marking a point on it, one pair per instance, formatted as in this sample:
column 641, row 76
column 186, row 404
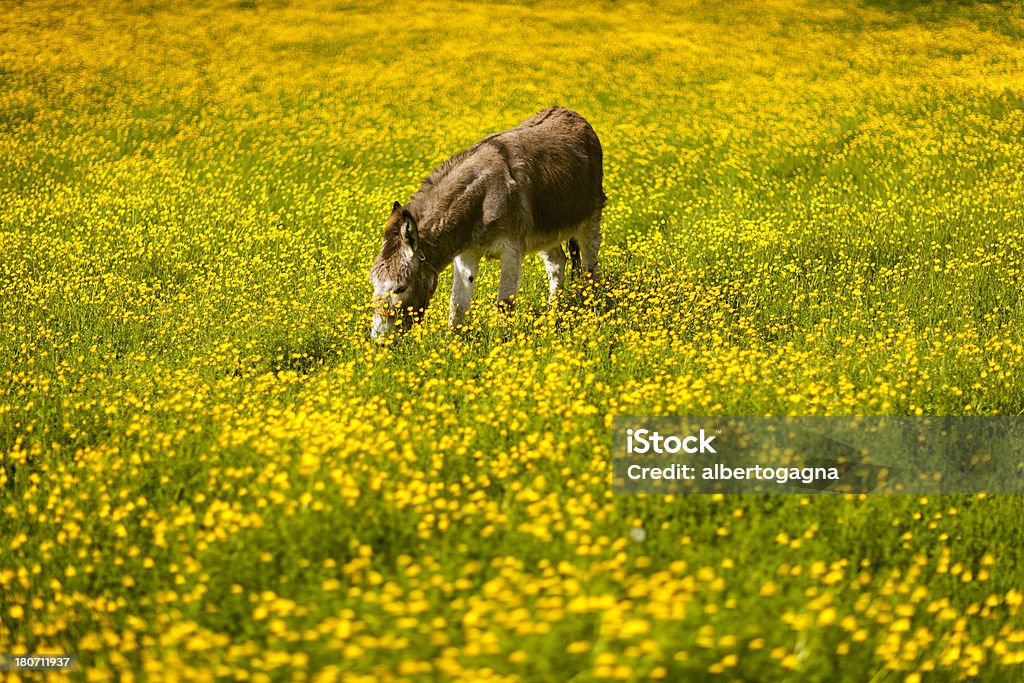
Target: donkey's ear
column 397, row 208
column 410, row 233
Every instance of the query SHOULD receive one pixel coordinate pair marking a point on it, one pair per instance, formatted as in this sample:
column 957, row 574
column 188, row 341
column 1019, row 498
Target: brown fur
column 532, row 187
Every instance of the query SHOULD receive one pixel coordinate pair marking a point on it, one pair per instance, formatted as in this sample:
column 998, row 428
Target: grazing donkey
column 523, row 190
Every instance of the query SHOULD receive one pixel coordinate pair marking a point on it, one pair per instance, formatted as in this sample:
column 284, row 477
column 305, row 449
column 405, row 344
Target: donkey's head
column 403, row 280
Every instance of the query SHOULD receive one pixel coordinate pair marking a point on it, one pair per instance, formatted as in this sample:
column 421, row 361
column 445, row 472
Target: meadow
column 209, row 472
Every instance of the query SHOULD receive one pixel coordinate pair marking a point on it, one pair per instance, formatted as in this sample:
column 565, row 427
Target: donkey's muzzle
column 383, row 325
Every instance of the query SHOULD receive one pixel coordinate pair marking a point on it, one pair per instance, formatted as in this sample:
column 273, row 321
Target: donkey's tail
column 574, row 256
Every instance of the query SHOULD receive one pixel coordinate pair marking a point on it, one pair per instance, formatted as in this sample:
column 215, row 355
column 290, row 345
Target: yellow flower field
column 209, row 472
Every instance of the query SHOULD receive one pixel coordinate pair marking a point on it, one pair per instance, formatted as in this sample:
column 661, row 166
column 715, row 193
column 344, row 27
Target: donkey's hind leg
column 574, row 256
column 554, row 264
column 589, row 240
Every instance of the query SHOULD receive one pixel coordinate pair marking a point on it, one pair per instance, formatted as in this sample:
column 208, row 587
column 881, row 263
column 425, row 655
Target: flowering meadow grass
column 208, row 471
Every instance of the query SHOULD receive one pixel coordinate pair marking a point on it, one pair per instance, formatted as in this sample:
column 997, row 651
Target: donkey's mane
column 441, row 172
column 454, row 189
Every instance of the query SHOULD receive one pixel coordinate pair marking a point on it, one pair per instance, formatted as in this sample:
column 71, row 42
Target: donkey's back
column 556, row 161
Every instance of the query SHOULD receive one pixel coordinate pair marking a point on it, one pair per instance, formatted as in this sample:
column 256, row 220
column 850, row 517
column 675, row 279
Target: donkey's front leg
column 511, row 273
column 463, row 281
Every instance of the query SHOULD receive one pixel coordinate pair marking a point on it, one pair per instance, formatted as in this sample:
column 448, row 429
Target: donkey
column 520, row 191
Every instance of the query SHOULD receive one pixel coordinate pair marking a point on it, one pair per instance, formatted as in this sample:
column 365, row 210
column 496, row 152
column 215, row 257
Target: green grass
column 813, row 210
